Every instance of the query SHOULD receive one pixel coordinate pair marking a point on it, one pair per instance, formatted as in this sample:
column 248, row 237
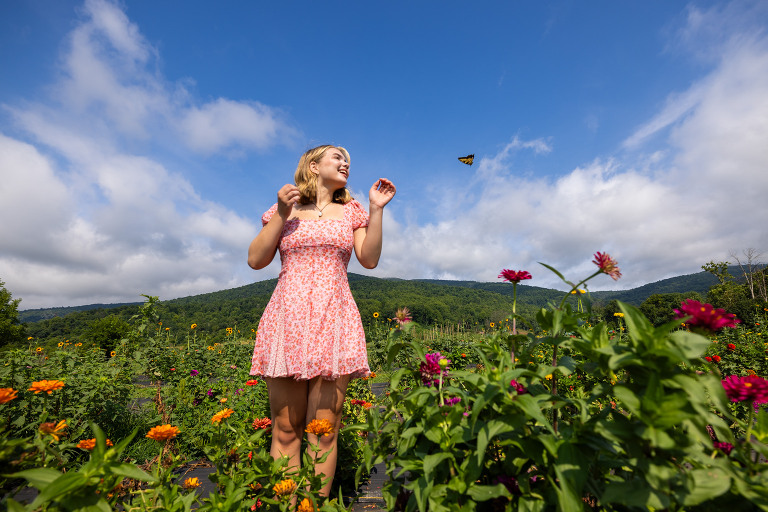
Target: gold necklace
column 320, row 210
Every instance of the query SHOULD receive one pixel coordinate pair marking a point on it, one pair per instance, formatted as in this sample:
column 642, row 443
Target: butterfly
column 467, row 159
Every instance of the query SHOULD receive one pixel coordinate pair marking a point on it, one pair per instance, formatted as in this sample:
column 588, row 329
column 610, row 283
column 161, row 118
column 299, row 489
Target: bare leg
column 325, row 401
column 288, row 404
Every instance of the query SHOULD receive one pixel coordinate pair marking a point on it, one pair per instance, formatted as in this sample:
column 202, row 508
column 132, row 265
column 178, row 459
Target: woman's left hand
column 381, row 193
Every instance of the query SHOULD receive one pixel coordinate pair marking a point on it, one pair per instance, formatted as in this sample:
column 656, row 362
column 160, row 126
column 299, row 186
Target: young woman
column 310, row 341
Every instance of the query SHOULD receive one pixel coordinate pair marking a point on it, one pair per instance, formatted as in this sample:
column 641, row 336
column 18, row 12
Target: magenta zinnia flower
column 704, row 316
column 607, row 265
column 746, row 389
column 515, row 276
column 723, row 447
column 518, row 387
column 431, row 368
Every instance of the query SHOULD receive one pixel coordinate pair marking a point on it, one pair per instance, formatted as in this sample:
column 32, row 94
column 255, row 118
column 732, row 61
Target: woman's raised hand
column 381, row 193
column 287, row 196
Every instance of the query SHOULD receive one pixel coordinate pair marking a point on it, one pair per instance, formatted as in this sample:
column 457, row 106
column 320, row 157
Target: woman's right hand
column 287, row 196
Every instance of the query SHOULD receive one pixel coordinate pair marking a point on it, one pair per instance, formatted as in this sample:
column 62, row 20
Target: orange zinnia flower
column 162, row 432
column 306, row 506
column 320, row 428
column 226, row 413
column 285, row 487
column 191, row 483
column 7, row 394
column 46, row 385
column 53, row 429
column 90, row 444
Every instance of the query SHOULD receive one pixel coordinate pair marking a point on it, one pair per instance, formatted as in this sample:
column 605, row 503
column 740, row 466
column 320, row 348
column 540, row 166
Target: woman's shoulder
column 268, row 214
column 356, row 213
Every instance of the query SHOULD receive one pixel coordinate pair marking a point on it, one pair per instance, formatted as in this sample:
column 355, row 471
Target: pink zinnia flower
column 403, row 316
column 515, row 276
column 723, row 447
column 750, row 388
column 518, row 387
column 704, row 316
column 431, row 368
column 452, row 401
column 262, row 423
column 607, row 265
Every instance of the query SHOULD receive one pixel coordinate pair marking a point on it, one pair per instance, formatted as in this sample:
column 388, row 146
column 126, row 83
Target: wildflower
column 30, row 338
column 723, row 447
column 731, row 346
column 229, row 330
column 548, row 377
column 750, row 388
column 375, row 314
column 53, row 429
column 112, row 354
column 402, row 316
column 191, row 483
column 579, row 291
column 47, row 386
column 452, row 401
column 493, row 325
column 705, row 317
column 252, row 382
column 319, row 427
column 262, row 424
column 194, row 372
column 431, row 369
column 78, row 344
column 515, row 276
column 193, row 326
column 162, row 432
column 716, row 358
column 306, row 506
column 607, row 265
column 39, row 349
column 224, row 413
column 167, row 328
column 61, row 344
column 90, row 444
column 285, row 487
column 708, row 359
column 210, row 347
column 620, row 315
column 7, row 394
column 509, row 482
column 519, row 388
column 223, row 400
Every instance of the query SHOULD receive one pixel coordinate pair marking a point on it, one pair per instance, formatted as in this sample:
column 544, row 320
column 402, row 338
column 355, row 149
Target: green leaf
column 38, row 478
column 706, row 484
column 59, row 488
column 486, row 492
column 487, row 432
column 131, row 471
column 633, row 493
column 432, row 460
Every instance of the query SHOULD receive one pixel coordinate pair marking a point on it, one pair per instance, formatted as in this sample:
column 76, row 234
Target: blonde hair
column 306, row 180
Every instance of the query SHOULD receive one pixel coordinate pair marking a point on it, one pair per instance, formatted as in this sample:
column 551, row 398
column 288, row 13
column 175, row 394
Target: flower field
column 556, row 412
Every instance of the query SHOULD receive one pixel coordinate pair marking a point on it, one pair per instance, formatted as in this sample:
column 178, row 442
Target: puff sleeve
column 357, row 214
column 268, row 214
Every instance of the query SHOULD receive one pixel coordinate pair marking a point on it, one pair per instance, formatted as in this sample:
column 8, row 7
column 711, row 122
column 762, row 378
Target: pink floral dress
column 311, row 326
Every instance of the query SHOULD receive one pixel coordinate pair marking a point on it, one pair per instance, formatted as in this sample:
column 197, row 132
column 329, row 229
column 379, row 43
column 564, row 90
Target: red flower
column 723, row 447
column 607, row 265
column 716, row 358
column 252, row 382
column 750, row 388
column 515, row 276
column 708, row 359
column 262, row 423
column 704, row 316
column 731, row 346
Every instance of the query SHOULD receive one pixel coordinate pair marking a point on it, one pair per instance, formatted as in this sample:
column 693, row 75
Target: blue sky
column 141, row 141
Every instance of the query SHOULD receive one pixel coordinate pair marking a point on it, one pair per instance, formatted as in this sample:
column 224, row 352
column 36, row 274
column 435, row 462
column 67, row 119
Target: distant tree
column 734, row 298
column 750, row 267
column 718, row 269
column 107, row 332
column 11, row 330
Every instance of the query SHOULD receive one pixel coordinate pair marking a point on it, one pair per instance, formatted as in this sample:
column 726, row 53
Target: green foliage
column 106, row 332
column 12, row 332
column 659, row 308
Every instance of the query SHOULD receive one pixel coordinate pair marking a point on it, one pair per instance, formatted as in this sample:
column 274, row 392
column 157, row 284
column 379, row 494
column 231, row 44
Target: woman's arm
column 368, row 240
column 262, row 250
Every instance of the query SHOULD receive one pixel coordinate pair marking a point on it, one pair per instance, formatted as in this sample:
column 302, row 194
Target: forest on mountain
column 461, row 304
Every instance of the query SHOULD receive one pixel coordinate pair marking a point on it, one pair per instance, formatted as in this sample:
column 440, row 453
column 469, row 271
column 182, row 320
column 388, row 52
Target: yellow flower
column 61, row 344
column 226, row 413
column 376, row 314
column 223, row 400
column 53, row 429
column 47, row 386
column 112, row 354
column 90, row 444
column 548, row 377
column 39, row 349
column 30, row 338
column 306, row 506
column 285, row 487
column 493, row 325
column 620, row 315
column 7, row 394
column 78, row 344
column 193, row 326
column 210, row 347
column 167, row 328
column 162, row 432
column 192, row 483
column 319, row 427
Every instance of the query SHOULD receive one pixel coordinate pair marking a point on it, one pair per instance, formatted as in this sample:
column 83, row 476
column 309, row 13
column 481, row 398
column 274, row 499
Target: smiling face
column 332, row 169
